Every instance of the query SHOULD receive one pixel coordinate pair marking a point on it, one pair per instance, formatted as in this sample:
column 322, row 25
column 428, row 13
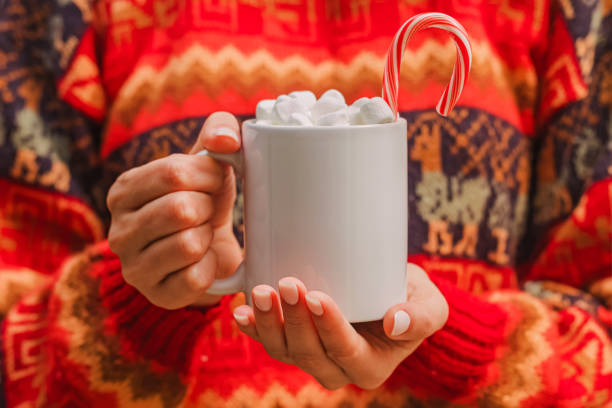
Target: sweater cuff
column 456, row 360
column 168, row 337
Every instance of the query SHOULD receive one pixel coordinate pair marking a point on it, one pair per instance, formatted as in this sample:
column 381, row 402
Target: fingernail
column 241, row 319
column 288, row 291
column 262, row 299
column 401, row 322
column 314, row 305
column 225, row 131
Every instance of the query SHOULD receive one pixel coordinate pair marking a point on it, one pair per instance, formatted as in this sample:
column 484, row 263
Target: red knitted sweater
column 510, row 208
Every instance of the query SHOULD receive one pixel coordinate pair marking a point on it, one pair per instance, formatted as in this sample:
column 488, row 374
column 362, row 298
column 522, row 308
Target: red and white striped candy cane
column 396, row 50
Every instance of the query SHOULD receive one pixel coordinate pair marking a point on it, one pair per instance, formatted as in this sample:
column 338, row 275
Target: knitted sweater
column 509, row 197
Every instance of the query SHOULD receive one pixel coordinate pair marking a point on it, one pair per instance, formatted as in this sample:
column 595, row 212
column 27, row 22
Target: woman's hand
column 172, row 220
column 307, row 329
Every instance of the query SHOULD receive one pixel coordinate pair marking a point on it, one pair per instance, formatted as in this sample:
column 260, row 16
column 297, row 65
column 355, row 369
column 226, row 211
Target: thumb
column 220, row 133
column 424, row 313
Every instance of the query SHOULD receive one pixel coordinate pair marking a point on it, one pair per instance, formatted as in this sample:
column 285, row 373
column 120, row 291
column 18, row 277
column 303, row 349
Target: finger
column 415, row 321
column 303, row 343
column 177, row 172
column 245, row 320
column 220, row 133
column 167, row 255
column 230, row 254
column 269, row 322
column 183, row 287
column 166, row 215
column 424, row 313
column 343, row 344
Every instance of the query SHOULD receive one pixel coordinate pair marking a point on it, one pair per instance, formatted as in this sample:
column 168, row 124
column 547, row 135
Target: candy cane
column 396, row 50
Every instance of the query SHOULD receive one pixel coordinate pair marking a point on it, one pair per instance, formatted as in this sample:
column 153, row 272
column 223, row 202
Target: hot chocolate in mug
column 327, row 205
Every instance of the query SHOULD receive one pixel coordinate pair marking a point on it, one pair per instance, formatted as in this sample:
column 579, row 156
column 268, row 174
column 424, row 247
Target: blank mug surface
column 328, row 205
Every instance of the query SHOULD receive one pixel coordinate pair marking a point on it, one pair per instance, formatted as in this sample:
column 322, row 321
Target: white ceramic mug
column 327, row 205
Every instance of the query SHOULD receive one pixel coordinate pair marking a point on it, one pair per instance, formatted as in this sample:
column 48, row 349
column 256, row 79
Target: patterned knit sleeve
column 62, row 306
column 548, row 345
column 48, row 144
column 89, row 339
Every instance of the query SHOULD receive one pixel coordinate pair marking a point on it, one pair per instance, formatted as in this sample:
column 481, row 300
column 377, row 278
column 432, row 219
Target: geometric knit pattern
column 510, row 197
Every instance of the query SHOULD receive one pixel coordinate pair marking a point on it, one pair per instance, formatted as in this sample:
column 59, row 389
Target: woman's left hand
column 306, row 328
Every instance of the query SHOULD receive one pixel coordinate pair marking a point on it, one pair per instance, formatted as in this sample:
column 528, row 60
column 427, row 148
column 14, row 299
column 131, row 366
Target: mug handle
column 237, row 281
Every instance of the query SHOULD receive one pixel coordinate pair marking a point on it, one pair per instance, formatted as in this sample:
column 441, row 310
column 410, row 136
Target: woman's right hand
column 171, row 222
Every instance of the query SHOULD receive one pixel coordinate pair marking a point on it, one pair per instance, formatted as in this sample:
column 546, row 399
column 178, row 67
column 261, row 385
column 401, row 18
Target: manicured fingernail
column 241, row 319
column 288, row 291
column 401, row 322
column 314, row 305
column 262, row 299
column 225, row 131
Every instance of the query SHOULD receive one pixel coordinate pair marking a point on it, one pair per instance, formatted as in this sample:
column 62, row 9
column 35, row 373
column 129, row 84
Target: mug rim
column 252, row 123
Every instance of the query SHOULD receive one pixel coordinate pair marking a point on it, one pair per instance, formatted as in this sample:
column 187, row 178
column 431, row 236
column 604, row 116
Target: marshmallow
column 282, row 97
column 333, row 93
column 299, row 119
column 354, row 115
column 337, row 118
column 265, row 111
column 301, row 108
column 326, row 105
column 285, row 107
column 306, row 98
column 360, row 102
column 376, row 111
